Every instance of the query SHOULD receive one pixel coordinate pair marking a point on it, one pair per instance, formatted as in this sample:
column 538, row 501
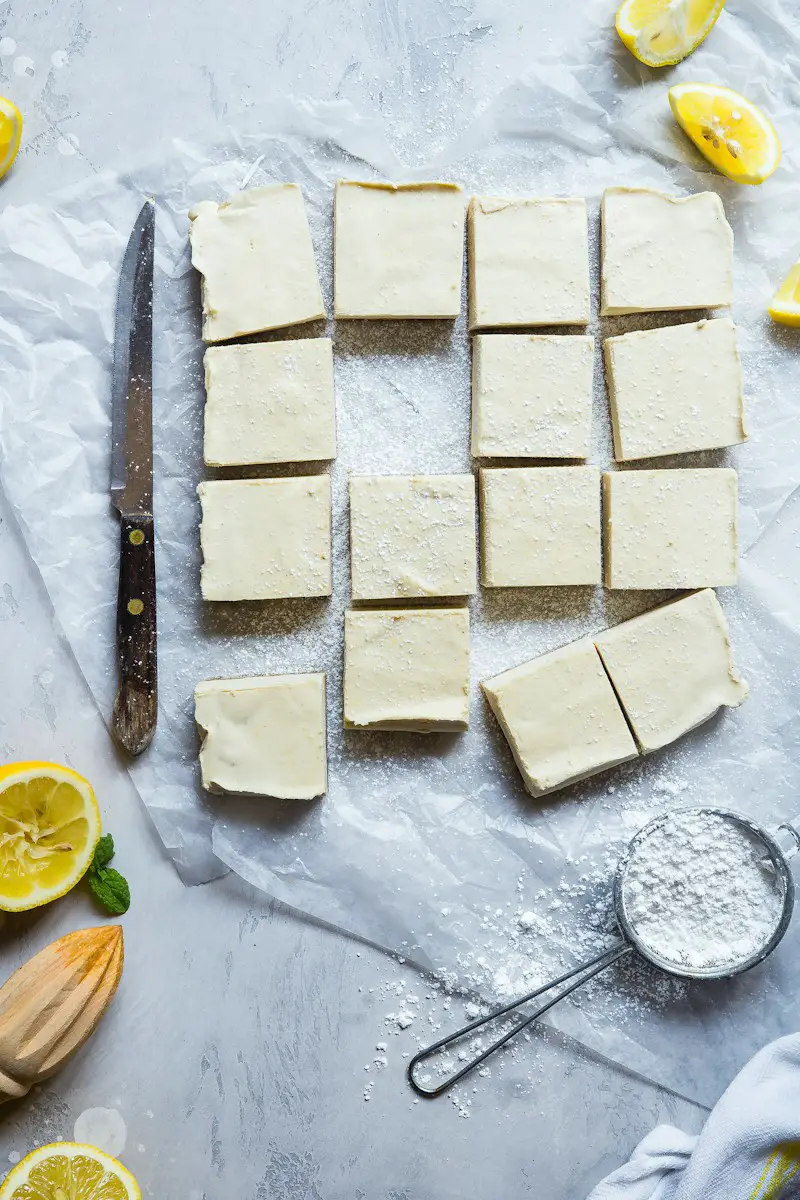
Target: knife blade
column 135, row 707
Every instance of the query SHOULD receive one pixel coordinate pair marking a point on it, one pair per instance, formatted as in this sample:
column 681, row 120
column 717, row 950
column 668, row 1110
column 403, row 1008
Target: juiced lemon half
column 69, row 1171
column 49, row 827
column 785, row 304
column 735, row 136
column 10, row 133
column 662, row 32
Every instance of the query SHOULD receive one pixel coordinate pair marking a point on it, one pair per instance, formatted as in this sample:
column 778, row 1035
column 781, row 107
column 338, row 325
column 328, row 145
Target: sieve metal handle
column 586, row 970
column 793, row 829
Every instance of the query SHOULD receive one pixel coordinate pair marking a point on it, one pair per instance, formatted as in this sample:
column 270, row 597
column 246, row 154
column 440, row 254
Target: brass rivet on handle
column 135, row 607
column 136, row 537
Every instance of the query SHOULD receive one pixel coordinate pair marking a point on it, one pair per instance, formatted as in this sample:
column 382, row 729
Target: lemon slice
column 662, row 32
column 49, row 827
column 69, row 1171
column 735, row 136
column 10, row 133
column 784, row 306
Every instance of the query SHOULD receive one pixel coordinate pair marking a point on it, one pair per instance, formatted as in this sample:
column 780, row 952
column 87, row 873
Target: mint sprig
column 109, row 888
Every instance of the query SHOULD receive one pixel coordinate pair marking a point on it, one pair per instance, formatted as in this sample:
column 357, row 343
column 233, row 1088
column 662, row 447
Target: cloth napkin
column 749, row 1148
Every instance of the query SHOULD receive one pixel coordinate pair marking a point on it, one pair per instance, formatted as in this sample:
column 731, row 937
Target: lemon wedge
column 10, row 133
column 69, row 1171
column 661, row 33
column 735, row 136
column 784, row 306
column 49, row 827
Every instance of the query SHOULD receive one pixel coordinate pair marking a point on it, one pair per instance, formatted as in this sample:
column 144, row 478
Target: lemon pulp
column 49, row 827
column 734, row 135
column 661, row 33
column 68, row 1171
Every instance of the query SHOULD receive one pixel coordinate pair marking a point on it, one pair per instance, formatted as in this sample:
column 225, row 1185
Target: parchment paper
column 427, row 845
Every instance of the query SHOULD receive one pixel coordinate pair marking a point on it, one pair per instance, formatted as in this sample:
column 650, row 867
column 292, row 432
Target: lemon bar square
column 670, row 529
column 531, row 395
column 540, row 526
column 265, row 539
column 407, row 669
column 256, row 260
column 561, row 717
column 672, row 668
column 528, row 262
column 675, row 390
column 661, row 252
column 412, row 536
column 398, row 250
column 269, row 402
column 263, row 735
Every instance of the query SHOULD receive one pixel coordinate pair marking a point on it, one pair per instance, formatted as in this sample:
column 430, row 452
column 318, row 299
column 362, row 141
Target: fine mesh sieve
column 632, row 943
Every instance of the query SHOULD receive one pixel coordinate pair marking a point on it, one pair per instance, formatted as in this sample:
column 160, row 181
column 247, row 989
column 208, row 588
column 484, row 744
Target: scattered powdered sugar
column 701, row 892
column 520, row 945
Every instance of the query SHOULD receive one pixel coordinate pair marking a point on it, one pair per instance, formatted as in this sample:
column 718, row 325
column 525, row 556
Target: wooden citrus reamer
column 53, row 1003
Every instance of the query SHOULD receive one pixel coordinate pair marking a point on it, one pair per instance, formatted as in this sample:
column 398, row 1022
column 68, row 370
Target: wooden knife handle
column 135, row 708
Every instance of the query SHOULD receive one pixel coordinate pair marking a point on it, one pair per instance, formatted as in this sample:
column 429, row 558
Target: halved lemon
column 735, row 136
column 69, row 1171
column 661, row 33
column 784, row 307
column 49, row 827
column 10, row 133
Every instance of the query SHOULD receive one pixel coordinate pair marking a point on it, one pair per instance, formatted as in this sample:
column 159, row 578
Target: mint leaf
column 103, row 853
column 108, row 887
column 111, row 890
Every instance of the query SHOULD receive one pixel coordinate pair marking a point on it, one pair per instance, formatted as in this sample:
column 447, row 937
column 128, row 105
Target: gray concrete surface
column 236, row 1049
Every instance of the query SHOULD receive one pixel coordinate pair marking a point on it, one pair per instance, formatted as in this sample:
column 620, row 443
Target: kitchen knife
column 134, row 718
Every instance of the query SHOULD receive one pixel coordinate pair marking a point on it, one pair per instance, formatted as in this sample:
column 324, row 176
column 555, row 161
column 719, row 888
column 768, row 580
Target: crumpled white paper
column 426, row 845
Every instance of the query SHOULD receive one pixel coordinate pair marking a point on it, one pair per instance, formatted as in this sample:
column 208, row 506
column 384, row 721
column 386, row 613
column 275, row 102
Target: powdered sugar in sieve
column 700, row 891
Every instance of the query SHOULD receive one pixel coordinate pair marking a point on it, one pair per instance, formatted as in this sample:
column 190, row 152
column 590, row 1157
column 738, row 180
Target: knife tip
column 147, row 211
